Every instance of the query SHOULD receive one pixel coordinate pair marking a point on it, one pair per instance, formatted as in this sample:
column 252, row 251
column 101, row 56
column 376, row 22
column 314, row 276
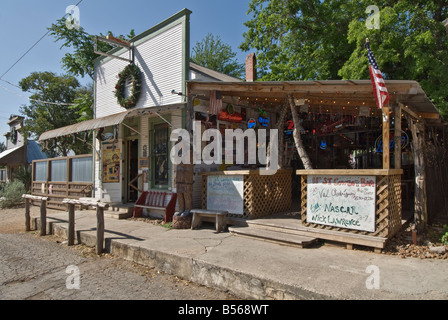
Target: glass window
column 58, row 170
column 160, row 154
column 2, row 174
column 40, row 171
column 81, row 169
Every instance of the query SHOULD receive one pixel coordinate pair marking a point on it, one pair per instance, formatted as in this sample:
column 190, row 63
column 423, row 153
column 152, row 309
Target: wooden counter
column 246, row 193
column 364, row 201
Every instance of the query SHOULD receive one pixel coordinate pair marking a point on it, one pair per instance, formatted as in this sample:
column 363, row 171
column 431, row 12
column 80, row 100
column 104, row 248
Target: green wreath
column 134, row 75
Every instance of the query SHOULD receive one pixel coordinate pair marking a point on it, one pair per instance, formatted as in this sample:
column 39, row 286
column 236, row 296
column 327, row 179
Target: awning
column 107, row 121
column 11, row 156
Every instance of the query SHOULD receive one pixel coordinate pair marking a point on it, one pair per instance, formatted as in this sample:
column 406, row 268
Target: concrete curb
column 239, row 283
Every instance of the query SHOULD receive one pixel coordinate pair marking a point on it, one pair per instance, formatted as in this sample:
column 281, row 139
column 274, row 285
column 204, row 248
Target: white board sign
column 342, row 201
column 225, row 193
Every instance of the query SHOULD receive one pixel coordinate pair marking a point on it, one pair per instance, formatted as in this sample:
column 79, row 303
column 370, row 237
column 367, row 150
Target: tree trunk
column 297, row 137
column 421, row 213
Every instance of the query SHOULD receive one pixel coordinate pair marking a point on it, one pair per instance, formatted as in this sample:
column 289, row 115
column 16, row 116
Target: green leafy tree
column 214, row 54
column 42, row 116
column 2, row 146
column 79, row 62
column 313, row 39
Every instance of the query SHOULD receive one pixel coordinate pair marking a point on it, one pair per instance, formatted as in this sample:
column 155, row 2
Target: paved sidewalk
column 254, row 269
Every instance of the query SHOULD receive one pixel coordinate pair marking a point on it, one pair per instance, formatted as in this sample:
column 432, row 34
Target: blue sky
column 23, row 22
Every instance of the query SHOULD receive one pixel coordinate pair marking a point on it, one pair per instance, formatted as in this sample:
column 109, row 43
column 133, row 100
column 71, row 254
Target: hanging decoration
column 130, row 75
column 13, row 135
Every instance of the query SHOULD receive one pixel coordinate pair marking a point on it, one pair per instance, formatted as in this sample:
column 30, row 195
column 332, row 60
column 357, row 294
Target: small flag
column 379, row 86
column 215, row 102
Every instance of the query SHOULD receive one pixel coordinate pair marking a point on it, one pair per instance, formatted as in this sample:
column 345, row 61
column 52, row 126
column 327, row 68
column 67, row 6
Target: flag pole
column 385, row 108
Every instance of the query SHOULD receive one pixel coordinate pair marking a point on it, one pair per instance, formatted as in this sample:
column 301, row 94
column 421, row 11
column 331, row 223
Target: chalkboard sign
column 342, row 201
column 225, row 193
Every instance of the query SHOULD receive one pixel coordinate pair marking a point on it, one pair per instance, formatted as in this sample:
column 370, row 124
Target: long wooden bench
column 156, row 200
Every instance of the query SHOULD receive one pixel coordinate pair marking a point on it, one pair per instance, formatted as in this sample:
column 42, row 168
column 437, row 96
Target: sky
column 24, row 22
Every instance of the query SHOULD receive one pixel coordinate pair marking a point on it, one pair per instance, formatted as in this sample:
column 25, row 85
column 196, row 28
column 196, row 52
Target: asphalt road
column 45, row 268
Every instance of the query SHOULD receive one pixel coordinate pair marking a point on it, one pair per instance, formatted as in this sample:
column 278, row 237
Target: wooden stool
column 220, row 218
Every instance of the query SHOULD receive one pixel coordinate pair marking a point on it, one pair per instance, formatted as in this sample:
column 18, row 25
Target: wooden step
column 273, row 236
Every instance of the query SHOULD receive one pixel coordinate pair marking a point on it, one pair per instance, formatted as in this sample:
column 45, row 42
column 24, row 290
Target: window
column 81, row 169
column 40, row 171
column 58, row 170
column 159, row 155
column 2, row 175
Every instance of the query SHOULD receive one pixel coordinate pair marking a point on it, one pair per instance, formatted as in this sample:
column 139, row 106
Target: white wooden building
column 133, row 153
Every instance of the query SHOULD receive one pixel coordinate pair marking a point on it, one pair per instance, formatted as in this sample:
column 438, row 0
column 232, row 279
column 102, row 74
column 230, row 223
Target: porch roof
column 330, row 95
column 106, row 121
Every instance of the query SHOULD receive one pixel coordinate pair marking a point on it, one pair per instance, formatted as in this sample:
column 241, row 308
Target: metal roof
column 407, row 92
column 106, row 121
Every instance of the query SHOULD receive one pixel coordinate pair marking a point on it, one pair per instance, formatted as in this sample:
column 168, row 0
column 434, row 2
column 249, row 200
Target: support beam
column 386, row 140
column 397, row 137
column 297, row 138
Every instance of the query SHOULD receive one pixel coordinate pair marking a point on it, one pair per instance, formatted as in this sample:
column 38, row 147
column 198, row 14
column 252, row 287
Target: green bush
column 12, row 194
column 445, row 236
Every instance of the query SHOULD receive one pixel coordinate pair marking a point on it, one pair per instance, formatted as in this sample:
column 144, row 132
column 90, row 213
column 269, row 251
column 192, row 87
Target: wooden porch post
column 397, row 138
column 386, row 140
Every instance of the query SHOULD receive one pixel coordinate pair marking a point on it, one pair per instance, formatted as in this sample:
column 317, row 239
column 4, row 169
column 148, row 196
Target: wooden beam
column 397, row 137
column 386, row 140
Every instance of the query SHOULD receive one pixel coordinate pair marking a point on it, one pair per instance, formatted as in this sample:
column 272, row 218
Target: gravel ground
column 34, row 268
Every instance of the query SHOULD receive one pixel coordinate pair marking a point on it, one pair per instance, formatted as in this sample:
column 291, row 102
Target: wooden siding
column 160, row 59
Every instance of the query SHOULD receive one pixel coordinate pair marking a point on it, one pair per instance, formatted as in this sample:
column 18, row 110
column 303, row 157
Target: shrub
column 12, row 194
column 445, row 236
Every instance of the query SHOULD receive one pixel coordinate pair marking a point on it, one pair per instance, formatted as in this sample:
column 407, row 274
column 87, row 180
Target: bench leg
column 196, row 221
column 220, row 223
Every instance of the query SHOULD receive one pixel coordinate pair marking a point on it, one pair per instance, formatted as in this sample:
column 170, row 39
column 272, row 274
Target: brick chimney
column 251, row 67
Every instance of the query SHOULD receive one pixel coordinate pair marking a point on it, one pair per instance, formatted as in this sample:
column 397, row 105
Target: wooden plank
column 99, row 230
column 397, row 137
column 43, row 217
column 71, row 225
column 351, row 172
column 386, row 140
column 27, row 215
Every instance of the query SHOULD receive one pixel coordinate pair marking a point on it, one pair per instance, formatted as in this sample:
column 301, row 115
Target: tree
column 212, row 53
column 313, row 39
column 2, row 147
column 80, row 61
column 61, row 91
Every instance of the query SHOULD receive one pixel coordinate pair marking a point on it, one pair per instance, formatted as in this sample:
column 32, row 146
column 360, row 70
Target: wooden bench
column 220, row 218
column 156, row 200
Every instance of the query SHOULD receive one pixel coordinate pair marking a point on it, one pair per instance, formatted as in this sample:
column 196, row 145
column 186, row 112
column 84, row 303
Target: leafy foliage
column 42, row 117
column 313, row 39
column 212, row 53
column 81, row 61
column 12, row 194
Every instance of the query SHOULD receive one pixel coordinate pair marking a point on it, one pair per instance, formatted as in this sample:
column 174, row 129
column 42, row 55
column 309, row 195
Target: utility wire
column 46, row 33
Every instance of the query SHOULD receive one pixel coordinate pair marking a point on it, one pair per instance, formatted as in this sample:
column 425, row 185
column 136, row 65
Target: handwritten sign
column 225, row 193
column 342, row 201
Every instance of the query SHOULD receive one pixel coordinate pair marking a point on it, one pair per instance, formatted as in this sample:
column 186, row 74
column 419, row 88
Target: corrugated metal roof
column 107, row 121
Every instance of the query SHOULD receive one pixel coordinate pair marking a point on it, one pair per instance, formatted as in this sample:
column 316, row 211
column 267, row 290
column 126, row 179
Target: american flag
column 379, row 86
column 215, row 102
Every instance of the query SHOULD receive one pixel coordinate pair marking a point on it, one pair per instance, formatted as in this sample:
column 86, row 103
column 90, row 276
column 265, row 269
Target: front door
column 132, row 170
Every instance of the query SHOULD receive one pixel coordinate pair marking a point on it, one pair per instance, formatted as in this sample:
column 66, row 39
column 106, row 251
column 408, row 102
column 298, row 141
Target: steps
column 119, row 211
column 270, row 232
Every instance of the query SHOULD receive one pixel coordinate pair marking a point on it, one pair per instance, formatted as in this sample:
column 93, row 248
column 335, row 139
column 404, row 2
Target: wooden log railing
column 43, row 212
column 99, row 247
